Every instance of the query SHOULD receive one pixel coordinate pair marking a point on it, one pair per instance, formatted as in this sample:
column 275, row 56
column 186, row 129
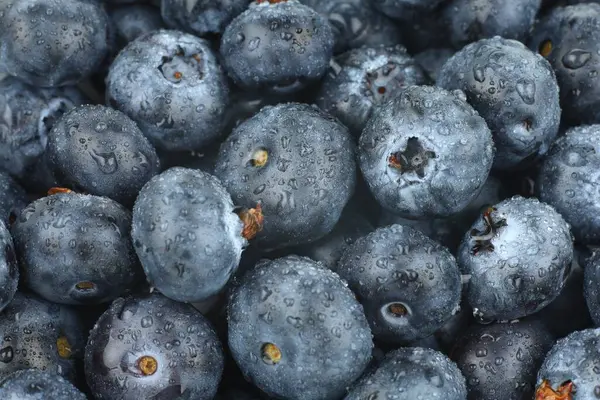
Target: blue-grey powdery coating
column 362, row 79
column 33, row 384
column 405, row 10
column 412, row 373
column 569, row 180
column 27, row 114
column 281, row 46
column 201, row 17
column 306, row 179
column 150, row 347
column 426, row 153
column 591, row 286
column 186, row 234
column 514, row 90
column 574, row 359
column 307, row 313
column 38, row 334
column 432, row 60
column 501, row 360
column 13, row 198
column 171, row 85
column 471, row 21
column 101, row 151
column 408, row 284
column 75, row 249
column 517, row 255
column 52, row 43
column 130, row 21
column 9, row 267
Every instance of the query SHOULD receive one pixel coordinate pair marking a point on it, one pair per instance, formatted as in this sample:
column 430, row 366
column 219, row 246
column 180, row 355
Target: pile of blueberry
column 300, row 199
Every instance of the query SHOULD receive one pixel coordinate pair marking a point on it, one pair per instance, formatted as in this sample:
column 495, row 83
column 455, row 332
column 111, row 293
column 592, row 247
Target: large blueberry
column 201, row 17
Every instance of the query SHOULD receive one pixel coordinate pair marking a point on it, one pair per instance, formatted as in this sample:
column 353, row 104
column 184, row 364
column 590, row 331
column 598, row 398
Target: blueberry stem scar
column 412, row 159
column 397, row 310
column 57, row 190
column 545, row 391
column 148, row 365
column 271, row 353
column 259, row 158
column 63, row 347
column 85, row 285
column 545, row 48
column 253, row 220
column 483, row 239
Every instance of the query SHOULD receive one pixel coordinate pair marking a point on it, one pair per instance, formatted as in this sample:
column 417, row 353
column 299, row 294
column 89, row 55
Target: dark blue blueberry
column 101, row 151
column 405, row 10
column 502, row 360
column 9, row 268
column 201, row 17
column 298, row 162
column 570, row 370
column 171, row 85
column 355, row 24
column 569, row 38
column 412, row 373
column 27, row 114
column 517, row 257
column 432, row 60
column 187, row 233
column 13, row 199
column 408, row 284
column 471, row 21
column 362, row 79
column 426, row 153
column 426, row 31
column 591, row 286
column 52, row 42
column 75, row 248
column 279, row 45
column 33, row 384
column 568, row 180
column 42, row 335
column 151, row 347
column 514, row 90
column 296, row 331
column 134, row 20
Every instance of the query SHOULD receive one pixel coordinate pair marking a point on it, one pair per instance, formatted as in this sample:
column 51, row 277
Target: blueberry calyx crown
column 384, row 82
column 253, row 220
column 483, row 239
column 176, row 67
column 564, row 392
column 414, row 158
column 147, row 365
column 259, row 158
column 271, row 354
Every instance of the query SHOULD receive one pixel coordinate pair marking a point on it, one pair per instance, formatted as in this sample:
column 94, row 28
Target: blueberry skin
column 101, row 151
column 568, row 180
column 523, row 264
column 432, row 60
column 27, row 114
column 362, row 79
column 471, row 21
column 502, row 359
column 36, row 47
column 133, row 21
column 75, row 249
column 9, row 268
column 201, row 17
column 412, row 373
column 307, row 180
column 308, row 312
column 41, row 335
column 186, row 234
column 395, row 265
column 280, row 47
column 591, row 286
column 575, row 359
column 32, row 384
column 405, row 10
column 449, row 149
column 13, row 199
column 171, row 85
column 184, row 345
column 356, row 23
column 514, row 90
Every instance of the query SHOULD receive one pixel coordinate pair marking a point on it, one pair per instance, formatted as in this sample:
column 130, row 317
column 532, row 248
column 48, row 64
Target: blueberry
column 517, row 256
column 75, row 248
column 409, row 285
column 278, row 45
column 432, row 60
column 568, row 38
column 502, row 359
column 32, row 384
column 39, row 334
column 514, row 90
column 171, row 85
column 591, row 286
column 134, row 20
column 412, row 373
column 570, row 370
column 53, row 42
column 187, row 233
column 426, row 153
column 425, row 31
column 298, row 162
column 356, row 23
column 161, row 349
column 9, row 268
column 13, row 199
column 101, row 151
column 405, row 10
column 24, row 135
column 296, row 331
column 203, row 17
column 471, row 21
column 362, row 79
column 568, row 181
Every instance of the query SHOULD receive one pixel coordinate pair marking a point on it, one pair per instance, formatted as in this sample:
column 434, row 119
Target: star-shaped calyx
column 414, row 158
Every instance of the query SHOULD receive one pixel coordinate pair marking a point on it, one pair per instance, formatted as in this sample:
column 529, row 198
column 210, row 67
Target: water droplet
column 526, row 90
column 106, row 162
column 253, row 44
column 576, row 58
column 147, row 321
